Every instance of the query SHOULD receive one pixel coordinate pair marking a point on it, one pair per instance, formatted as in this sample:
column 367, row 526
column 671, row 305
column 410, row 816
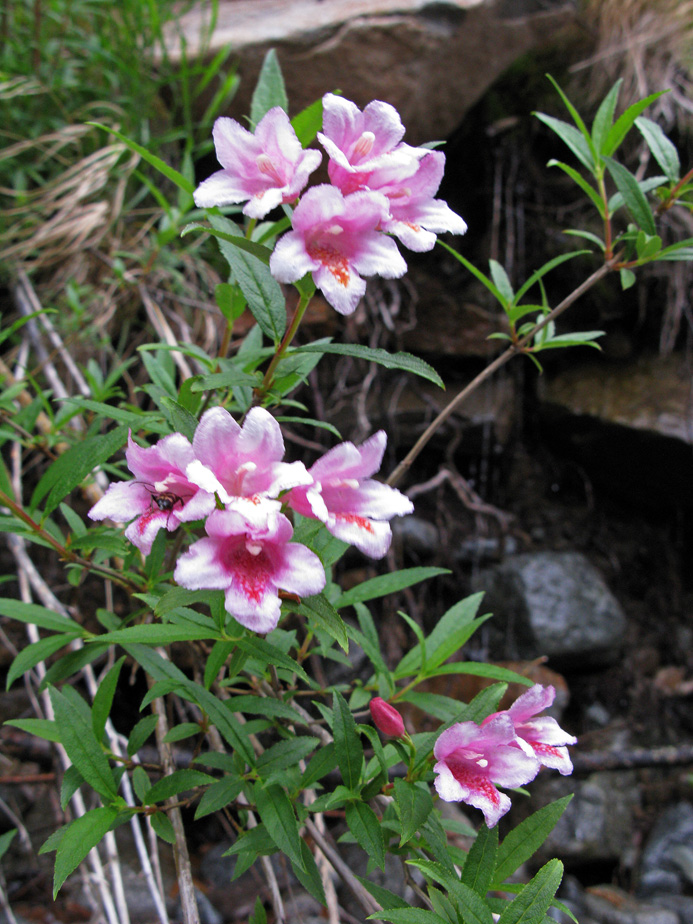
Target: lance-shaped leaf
column 78, row 839
column 36, row 652
column 177, row 782
column 481, row 860
column 82, row 747
column 320, row 612
column 276, row 811
column 633, row 196
column 522, row 842
column 269, row 90
column 663, row 151
column 386, row 584
column 347, row 742
column 414, row 804
column 404, row 361
column 530, row 906
column 366, row 828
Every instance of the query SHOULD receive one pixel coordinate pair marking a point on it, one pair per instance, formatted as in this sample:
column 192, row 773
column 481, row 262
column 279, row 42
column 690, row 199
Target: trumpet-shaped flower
column 542, row 733
column 161, row 497
column 242, row 464
column 266, row 168
column 472, row 761
column 251, row 562
column 352, row 505
column 359, row 141
column 335, row 238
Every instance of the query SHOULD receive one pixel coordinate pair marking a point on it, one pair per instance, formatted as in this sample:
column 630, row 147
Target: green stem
column 303, row 303
column 673, row 195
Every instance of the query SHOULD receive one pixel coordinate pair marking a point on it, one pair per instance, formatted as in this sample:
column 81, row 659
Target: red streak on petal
column 468, row 776
column 361, row 522
column 251, row 573
column 410, row 224
column 332, row 260
column 540, row 748
column 146, row 519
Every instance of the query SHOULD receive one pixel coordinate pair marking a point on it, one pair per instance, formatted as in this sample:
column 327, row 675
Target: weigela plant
column 231, row 549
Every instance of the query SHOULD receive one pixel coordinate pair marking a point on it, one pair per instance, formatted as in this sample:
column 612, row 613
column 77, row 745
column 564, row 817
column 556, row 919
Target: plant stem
column 303, row 303
column 500, row 361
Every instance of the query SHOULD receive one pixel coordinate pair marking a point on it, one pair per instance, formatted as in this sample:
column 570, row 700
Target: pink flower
column 160, row 497
column 251, row 562
column 242, row 464
column 472, row 761
column 265, row 168
column 360, row 141
column 335, row 238
column 353, row 506
column 386, row 718
column 543, row 734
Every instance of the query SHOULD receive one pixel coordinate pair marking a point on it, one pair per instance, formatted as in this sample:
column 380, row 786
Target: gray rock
column 555, row 604
column 598, row 824
column 679, row 904
column 416, row 534
column 612, row 906
column 667, row 860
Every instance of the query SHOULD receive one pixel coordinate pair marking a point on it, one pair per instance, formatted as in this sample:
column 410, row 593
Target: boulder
column 555, row 604
column 432, row 59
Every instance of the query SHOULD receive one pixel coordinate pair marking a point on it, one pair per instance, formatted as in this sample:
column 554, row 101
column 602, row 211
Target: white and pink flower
column 160, row 497
column 352, row 505
column 543, row 734
column 266, row 168
column 472, row 761
column 335, row 238
column 251, row 563
column 243, row 465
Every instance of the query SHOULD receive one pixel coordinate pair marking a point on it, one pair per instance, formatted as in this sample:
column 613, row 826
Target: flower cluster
column 234, row 478
column 341, row 230
column 507, row 750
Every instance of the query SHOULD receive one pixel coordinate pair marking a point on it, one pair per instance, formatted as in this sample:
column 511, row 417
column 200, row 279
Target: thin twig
column 362, row 895
column 493, row 367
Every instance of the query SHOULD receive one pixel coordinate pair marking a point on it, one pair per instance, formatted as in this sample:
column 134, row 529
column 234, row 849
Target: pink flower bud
column 386, row 718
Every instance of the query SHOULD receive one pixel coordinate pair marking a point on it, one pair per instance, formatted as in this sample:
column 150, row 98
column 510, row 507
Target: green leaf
column 238, row 240
column 5, row 841
column 408, row 916
column 142, row 730
column 262, row 291
column 36, row 615
column 175, row 783
column 625, row 122
column 78, row 839
column 451, row 632
column 386, row 584
column 35, row 653
column 163, row 828
column 82, row 746
column 523, row 841
column 42, row 728
column 347, row 743
column 366, row 828
column 72, row 780
column 276, row 811
column 270, row 90
column 308, row 122
column 180, row 181
column 158, row 634
column 627, row 278
column 577, row 118
column 663, row 151
column 322, row 615
column 182, row 421
column 182, row 732
column 633, row 196
column 219, row 795
column 493, row 289
column 481, row 669
column 266, row 706
column 605, row 116
column 501, row 281
column 480, row 864
column 228, row 725
column 586, row 187
column 414, row 804
column 321, row 763
column 231, row 378
column 309, row 874
column 259, row 915
column 103, row 698
column 73, row 466
column 404, row 361
column 285, row 754
column 570, row 136
column 384, row 897
column 270, row 654
column 530, row 906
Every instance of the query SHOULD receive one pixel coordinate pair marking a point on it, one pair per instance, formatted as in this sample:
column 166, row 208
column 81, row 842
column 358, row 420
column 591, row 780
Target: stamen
column 363, row 146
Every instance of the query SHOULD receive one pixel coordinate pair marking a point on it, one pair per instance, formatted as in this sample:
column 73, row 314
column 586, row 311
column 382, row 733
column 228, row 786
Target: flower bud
column 386, row 718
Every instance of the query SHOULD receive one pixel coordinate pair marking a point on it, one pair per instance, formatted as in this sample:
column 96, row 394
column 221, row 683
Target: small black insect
column 165, row 501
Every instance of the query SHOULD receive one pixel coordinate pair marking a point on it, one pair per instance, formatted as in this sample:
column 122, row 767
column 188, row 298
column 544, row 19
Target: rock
column 432, row 59
column 628, row 426
column 679, row 904
column 554, row 604
column 667, row 860
column 598, row 824
column 609, row 905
